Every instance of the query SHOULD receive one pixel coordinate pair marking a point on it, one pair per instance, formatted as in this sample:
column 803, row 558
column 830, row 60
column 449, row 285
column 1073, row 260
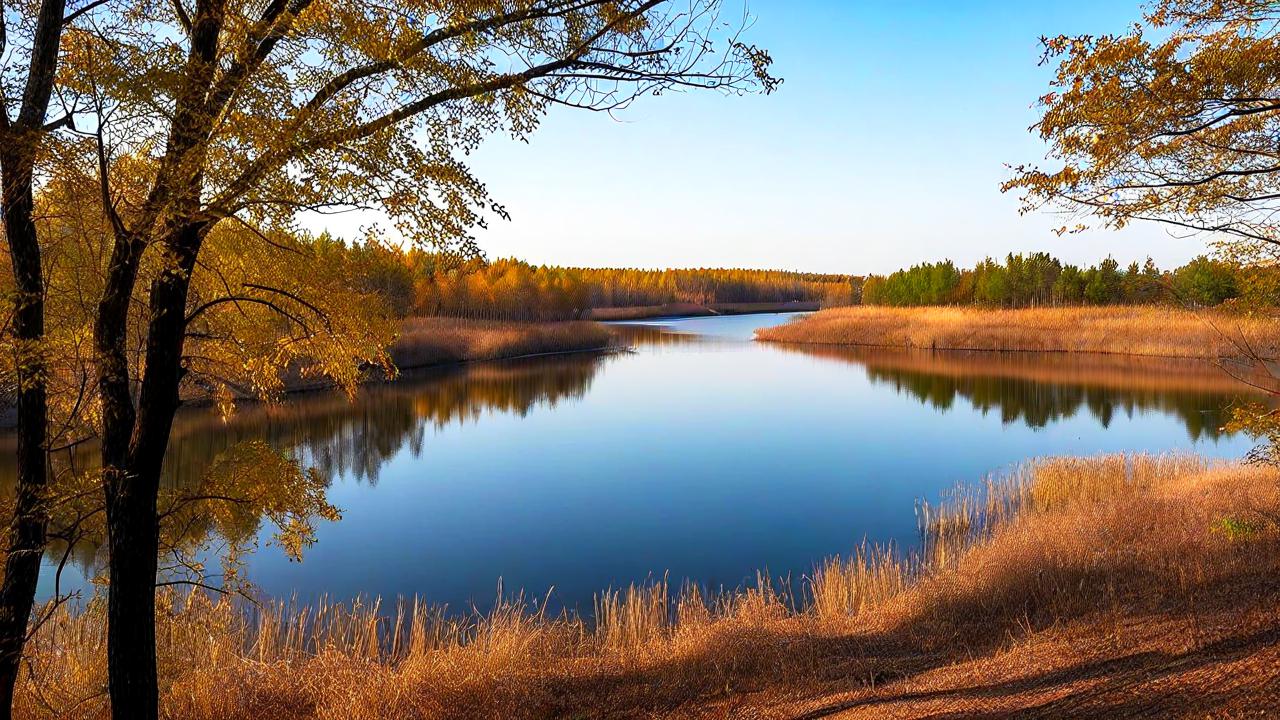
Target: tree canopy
column 1173, row 121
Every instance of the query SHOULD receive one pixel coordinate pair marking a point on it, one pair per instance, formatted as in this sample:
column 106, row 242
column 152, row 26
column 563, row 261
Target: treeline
column 1039, row 279
column 421, row 283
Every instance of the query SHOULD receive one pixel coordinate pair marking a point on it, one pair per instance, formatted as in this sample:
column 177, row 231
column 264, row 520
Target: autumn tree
column 197, row 118
column 29, row 53
column 1173, row 121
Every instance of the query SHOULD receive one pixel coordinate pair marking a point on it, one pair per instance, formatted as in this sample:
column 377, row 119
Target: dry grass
column 1142, row 330
column 437, row 341
column 1115, row 585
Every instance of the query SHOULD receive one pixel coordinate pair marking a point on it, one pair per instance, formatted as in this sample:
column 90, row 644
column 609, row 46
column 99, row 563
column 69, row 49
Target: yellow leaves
column 224, row 400
column 615, row 16
column 250, row 482
column 296, row 318
column 1160, row 129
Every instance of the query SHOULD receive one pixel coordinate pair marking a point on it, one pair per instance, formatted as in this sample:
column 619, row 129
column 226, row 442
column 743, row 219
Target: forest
column 167, row 168
column 1039, row 279
column 416, row 282
column 420, row 283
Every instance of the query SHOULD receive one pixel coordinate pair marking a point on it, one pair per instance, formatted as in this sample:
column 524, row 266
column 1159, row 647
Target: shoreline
column 443, row 366
column 1129, row 331
column 445, row 362
column 464, row 344
column 1108, row 370
column 994, row 351
column 1091, row 570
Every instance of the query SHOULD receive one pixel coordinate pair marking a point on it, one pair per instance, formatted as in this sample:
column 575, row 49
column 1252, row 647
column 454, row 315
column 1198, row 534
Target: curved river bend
column 701, row 454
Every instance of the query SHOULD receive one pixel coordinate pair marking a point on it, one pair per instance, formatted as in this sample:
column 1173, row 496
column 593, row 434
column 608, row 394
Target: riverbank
column 426, row 342
column 430, row 341
column 1091, row 587
column 1129, row 330
column 648, row 312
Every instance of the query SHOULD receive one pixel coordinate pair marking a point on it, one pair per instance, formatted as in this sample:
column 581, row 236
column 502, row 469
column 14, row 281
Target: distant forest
column 415, row 282
column 419, row 283
column 1039, row 279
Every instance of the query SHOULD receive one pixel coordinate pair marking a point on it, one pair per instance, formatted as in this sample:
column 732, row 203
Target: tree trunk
column 131, row 604
column 29, row 523
column 132, row 526
column 27, row 529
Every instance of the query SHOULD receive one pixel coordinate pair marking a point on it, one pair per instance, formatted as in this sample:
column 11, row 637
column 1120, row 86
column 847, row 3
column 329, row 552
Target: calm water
column 700, row 454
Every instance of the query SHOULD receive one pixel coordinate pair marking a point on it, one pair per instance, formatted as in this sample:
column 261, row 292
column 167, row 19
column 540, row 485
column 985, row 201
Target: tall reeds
column 1128, row 330
column 1043, row 540
column 428, row 341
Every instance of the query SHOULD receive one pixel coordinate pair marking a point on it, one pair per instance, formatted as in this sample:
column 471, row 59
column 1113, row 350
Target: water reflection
column 339, row 437
column 352, row 439
column 1037, row 390
column 641, row 333
column 699, row 452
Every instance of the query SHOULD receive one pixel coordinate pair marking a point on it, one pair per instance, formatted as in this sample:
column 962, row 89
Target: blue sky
column 885, row 147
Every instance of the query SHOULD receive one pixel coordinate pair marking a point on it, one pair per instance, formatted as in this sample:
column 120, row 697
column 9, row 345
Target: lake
column 699, row 454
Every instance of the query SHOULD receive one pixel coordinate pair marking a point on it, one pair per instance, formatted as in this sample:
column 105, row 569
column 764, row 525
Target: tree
column 1173, row 121
column 991, row 283
column 30, row 61
column 1148, row 285
column 1104, row 284
column 1069, row 288
column 1204, row 282
column 193, row 119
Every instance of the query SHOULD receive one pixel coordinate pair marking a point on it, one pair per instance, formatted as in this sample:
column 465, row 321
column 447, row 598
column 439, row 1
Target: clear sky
column 885, row 147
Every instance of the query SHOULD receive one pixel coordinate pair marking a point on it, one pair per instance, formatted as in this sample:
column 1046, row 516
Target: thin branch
column 87, row 8
column 249, row 299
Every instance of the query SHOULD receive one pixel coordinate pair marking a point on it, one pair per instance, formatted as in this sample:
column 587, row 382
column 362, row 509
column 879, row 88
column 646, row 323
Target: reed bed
column 1050, row 544
column 425, row 341
column 1129, row 330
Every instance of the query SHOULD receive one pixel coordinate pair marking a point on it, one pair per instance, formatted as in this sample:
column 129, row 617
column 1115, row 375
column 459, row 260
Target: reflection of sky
column 705, row 460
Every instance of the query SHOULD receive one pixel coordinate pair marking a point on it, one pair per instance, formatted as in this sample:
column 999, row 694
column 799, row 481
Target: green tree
column 1069, row 287
column 1205, row 282
column 1104, row 284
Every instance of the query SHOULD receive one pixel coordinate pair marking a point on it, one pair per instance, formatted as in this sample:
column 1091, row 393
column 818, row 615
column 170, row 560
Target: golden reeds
column 425, row 341
column 1046, row 542
column 1127, row 330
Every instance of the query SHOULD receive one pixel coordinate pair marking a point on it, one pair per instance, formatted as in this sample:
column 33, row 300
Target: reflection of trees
column 341, row 436
column 329, row 432
column 652, row 333
column 1037, row 389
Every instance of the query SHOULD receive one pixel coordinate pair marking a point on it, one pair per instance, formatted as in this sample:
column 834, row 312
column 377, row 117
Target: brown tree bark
column 30, row 520
column 135, row 440
column 120, row 489
column 29, row 525
column 134, row 461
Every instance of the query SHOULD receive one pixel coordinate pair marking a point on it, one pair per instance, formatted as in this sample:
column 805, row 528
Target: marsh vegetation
column 1123, row 546
column 1154, row 331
